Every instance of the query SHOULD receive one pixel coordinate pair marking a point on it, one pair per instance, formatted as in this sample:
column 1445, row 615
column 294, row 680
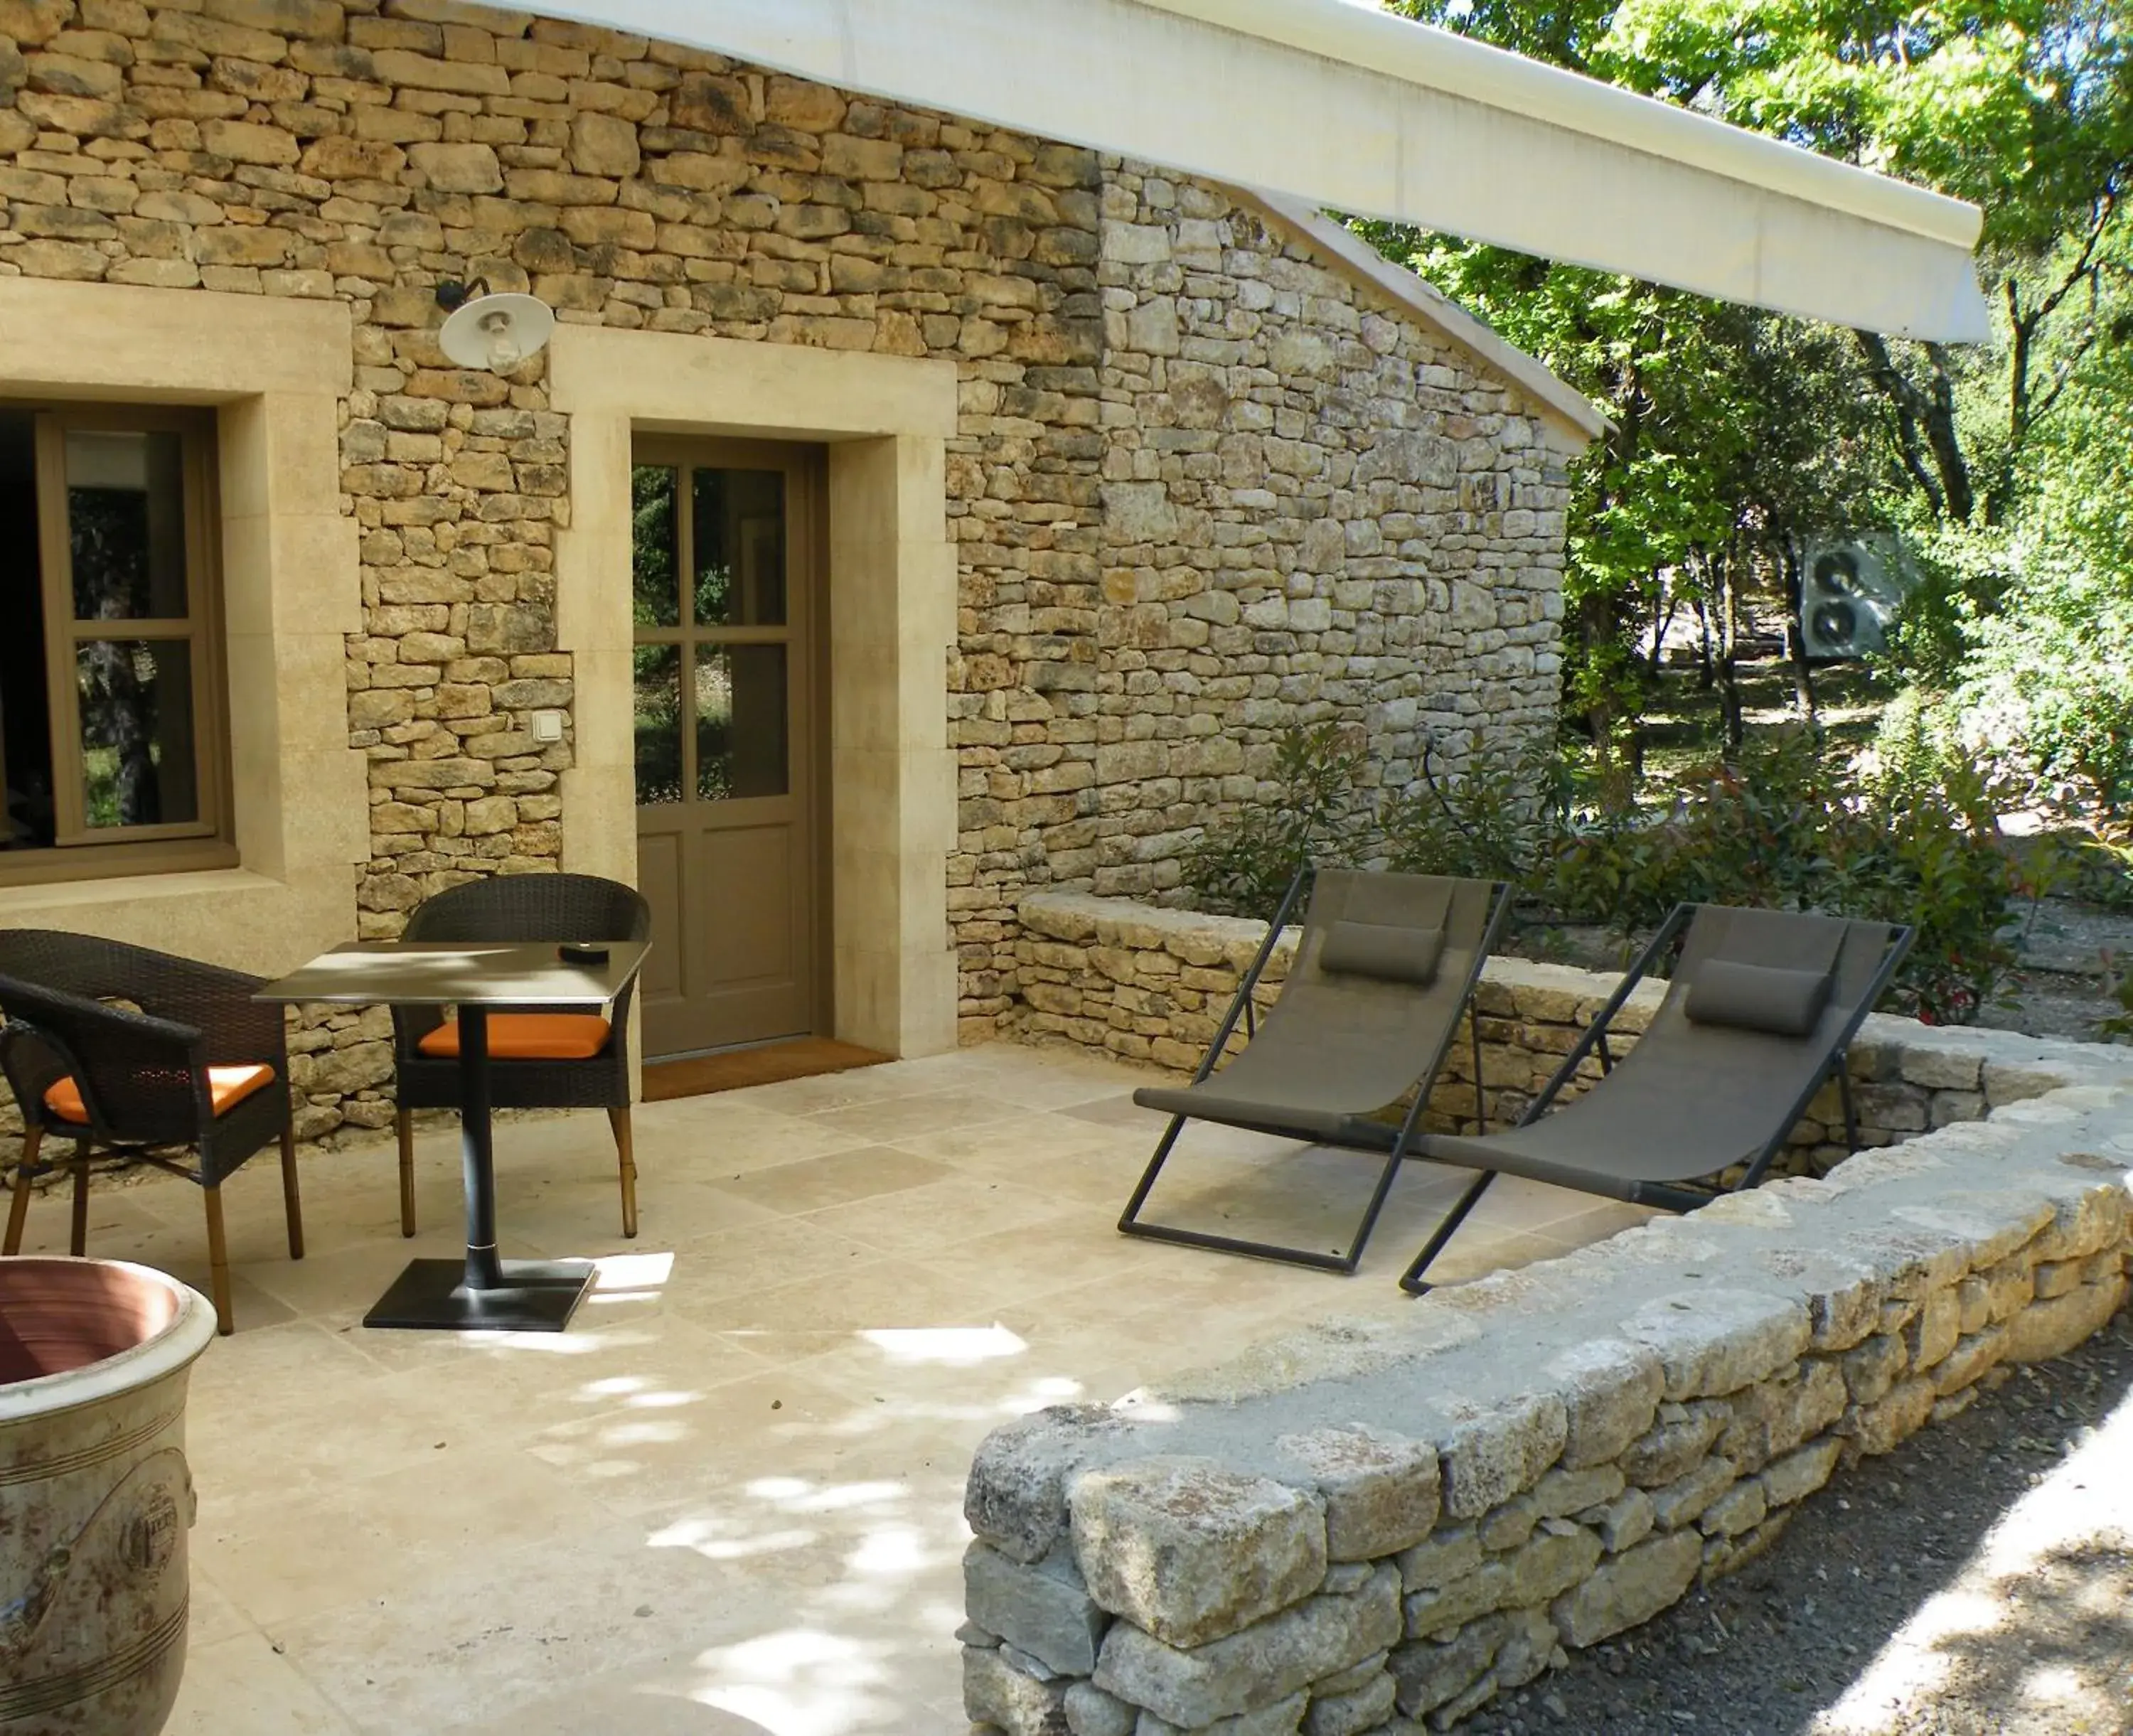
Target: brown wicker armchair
column 537, row 1061
column 202, row 1066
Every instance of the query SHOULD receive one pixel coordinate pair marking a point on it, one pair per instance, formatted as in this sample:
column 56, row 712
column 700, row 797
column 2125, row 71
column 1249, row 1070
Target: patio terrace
column 729, row 1499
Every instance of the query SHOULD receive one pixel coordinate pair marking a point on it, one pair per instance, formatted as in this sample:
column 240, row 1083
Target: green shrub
column 1919, row 733
column 1319, row 813
column 1497, row 826
column 2118, row 1026
column 1964, row 575
column 2060, row 715
column 2094, row 869
column 1926, row 850
column 2040, row 694
column 1747, row 830
column 1784, row 824
column 1910, row 834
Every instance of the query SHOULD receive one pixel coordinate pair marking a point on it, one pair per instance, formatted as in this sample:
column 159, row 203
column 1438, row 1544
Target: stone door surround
column 891, row 606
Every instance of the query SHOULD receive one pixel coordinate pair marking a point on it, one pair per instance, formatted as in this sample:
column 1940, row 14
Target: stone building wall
column 1312, row 508
column 1201, row 485
column 1311, row 511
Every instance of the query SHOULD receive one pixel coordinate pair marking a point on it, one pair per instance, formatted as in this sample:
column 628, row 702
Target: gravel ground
column 2037, row 1640
column 2071, row 937
column 2059, row 991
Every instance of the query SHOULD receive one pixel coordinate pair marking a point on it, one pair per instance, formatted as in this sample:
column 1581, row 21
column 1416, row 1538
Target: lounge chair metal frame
column 1360, row 1132
column 1674, row 1196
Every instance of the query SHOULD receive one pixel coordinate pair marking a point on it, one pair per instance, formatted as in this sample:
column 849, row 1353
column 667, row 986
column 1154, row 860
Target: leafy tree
column 1734, row 432
column 2041, row 681
column 2023, row 107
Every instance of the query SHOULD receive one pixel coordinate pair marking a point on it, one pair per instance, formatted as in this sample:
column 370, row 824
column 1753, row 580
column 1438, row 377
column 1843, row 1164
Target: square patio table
column 483, row 1294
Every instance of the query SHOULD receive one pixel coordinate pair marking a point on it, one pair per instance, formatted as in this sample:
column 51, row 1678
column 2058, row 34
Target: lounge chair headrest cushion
column 1758, row 997
column 1378, row 949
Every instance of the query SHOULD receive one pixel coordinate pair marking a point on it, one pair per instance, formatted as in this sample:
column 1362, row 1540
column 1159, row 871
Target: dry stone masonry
column 1309, row 511
column 1204, row 482
column 1380, row 1526
column 1310, row 506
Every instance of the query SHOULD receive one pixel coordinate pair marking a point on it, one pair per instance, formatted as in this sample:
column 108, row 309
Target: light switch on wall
column 547, row 726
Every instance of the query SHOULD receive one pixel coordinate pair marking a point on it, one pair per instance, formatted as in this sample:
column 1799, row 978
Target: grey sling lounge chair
column 1761, row 1007
column 1385, row 968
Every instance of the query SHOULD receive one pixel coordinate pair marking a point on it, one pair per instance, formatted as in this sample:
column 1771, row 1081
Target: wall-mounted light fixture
column 490, row 330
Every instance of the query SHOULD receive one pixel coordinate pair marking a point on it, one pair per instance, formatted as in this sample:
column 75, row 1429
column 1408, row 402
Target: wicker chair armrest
column 185, row 1042
column 141, row 1078
column 219, row 1004
column 172, row 974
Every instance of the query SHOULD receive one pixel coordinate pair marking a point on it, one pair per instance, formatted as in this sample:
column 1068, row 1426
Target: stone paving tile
column 837, row 1179
column 242, row 1686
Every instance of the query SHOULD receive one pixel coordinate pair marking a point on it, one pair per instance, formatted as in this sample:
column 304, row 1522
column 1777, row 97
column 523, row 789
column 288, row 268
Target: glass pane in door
column 738, row 518
column 655, row 546
column 126, row 524
column 137, row 732
column 658, row 708
column 741, row 748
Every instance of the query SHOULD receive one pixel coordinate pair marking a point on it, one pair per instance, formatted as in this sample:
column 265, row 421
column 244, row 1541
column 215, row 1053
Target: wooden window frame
column 77, row 851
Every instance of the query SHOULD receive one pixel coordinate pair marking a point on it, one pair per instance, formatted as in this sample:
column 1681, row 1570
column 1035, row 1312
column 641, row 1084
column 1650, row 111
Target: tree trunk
column 1804, row 702
column 1729, row 638
column 1796, row 639
column 1928, row 440
column 1596, row 625
column 1665, row 606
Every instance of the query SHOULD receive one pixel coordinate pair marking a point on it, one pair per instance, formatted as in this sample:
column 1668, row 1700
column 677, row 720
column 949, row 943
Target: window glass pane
column 658, row 724
column 125, row 525
column 657, row 590
column 31, row 822
column 137, row 732
column 740, row 721
column 739, row 519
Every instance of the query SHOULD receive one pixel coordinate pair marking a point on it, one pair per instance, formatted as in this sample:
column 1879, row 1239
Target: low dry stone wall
column 1379, row 1525
column 1152, row 985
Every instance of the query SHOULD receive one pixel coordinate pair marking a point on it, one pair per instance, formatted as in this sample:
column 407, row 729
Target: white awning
column 1339, row 105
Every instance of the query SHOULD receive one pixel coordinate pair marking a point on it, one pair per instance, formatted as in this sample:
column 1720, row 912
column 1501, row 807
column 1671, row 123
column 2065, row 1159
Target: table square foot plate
column 535, row 1295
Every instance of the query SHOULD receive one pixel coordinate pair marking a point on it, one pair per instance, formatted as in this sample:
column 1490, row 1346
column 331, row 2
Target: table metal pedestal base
column 537, row 1296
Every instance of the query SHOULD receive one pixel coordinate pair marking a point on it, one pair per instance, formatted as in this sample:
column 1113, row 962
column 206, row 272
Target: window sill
column 232, row 916
column 87, row 892
column 100, row 864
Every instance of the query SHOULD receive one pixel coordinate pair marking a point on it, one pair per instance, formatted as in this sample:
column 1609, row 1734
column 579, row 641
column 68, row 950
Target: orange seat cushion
column 529, row 1037
column 227, row 1087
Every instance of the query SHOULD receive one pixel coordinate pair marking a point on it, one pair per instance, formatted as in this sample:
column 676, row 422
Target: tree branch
column 2083, row 268
column 1905, row 402
column 1945, row 439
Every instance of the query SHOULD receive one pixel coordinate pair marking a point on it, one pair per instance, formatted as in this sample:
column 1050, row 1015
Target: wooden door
column 726, row 552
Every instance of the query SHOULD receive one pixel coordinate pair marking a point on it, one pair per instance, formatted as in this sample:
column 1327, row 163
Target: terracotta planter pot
column 95, row 1500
